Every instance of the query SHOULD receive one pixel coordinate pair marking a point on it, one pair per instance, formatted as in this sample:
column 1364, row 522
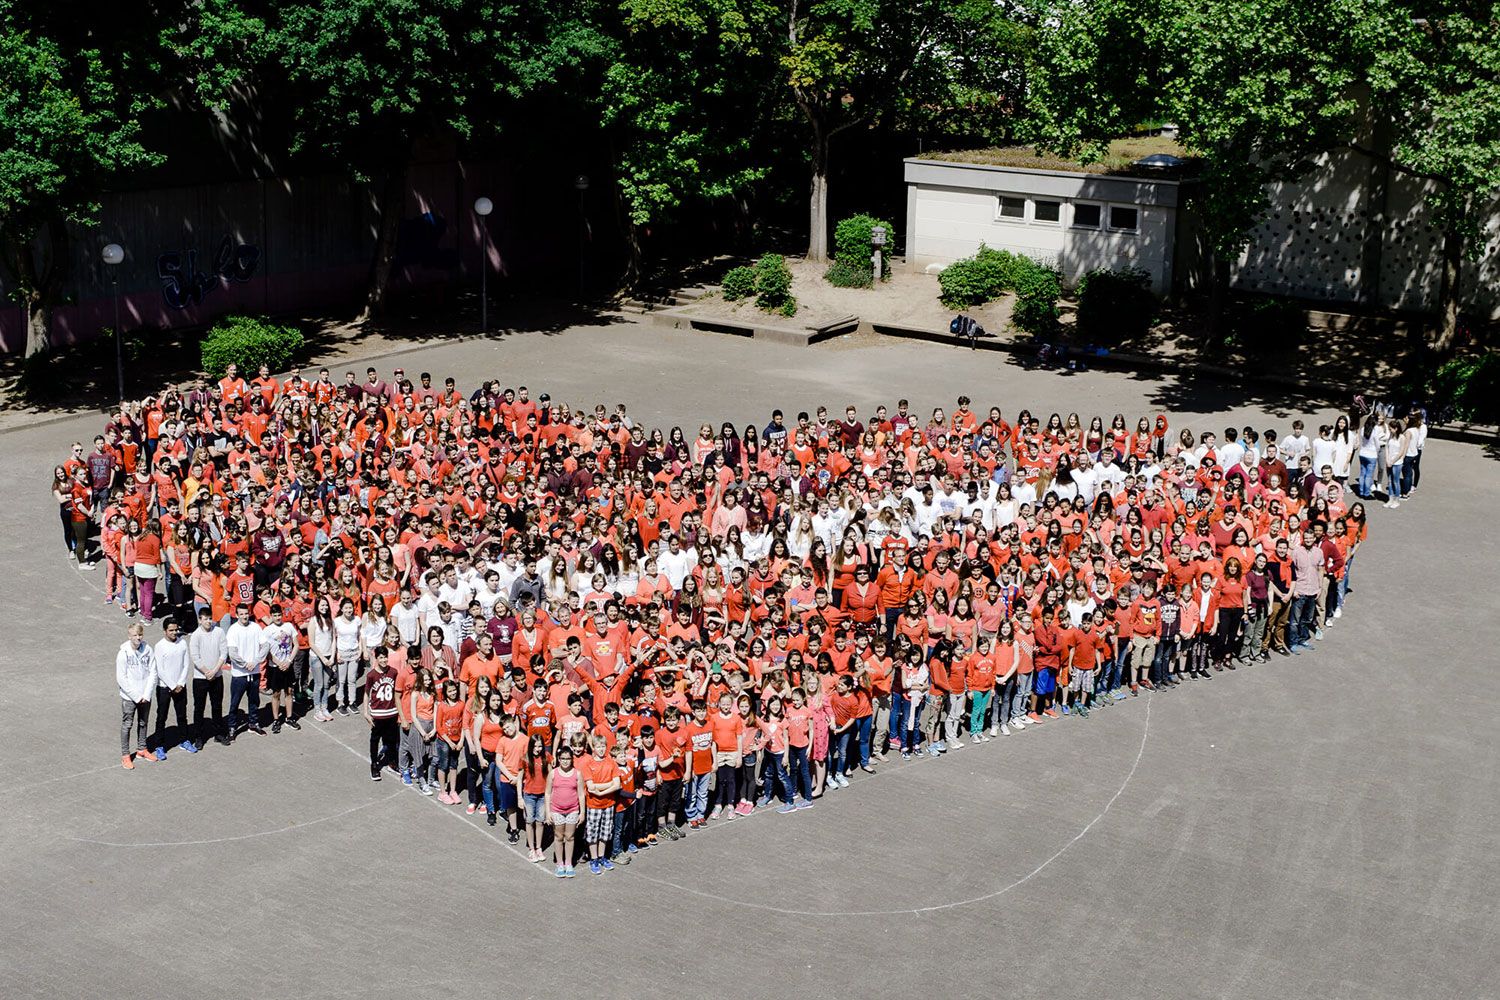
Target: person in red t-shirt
column 700, row 763
column 671, row 741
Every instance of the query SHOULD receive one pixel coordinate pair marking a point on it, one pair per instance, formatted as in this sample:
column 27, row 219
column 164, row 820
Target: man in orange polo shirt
column 896, row 582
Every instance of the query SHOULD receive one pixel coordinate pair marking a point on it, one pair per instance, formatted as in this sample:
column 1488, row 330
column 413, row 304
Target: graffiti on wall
column 184, row 285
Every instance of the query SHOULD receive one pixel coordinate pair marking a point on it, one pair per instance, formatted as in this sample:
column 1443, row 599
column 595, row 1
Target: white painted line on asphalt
column 461, row 817
column 1140, row 752
column 244, row 836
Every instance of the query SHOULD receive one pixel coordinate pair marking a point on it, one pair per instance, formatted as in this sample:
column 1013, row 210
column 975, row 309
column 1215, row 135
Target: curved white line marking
column 1145, row 732
column 244, row 836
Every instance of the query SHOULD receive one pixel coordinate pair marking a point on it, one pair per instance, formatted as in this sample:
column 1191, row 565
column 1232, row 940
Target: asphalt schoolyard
column 1323, row 826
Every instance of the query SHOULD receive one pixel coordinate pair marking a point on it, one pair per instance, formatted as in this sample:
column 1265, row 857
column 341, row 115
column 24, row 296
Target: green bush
column 978, row 279
column 842, row 275
column 738, row 283
column 773, row 285
column 854, row 247
column 989, row 273
column 1115, row 304
column 249, row 343
column 1470, row 384
column 1037, row 290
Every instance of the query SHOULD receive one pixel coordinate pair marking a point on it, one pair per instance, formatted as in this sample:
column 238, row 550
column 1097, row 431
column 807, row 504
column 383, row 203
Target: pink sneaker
column 470, row 809
column 744, row 809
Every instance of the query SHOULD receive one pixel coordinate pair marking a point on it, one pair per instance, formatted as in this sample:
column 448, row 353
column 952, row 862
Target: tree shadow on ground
column 85, row 374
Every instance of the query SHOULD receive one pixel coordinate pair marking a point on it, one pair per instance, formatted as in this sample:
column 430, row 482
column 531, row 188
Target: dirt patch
column 908, row 298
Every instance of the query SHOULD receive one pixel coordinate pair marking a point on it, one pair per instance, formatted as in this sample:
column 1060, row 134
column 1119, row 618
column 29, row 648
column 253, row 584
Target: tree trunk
column 38, row 323
column 817, row 215
column 36, row 266
column 392, row 205
column 1448, row 292
column 1218, row 301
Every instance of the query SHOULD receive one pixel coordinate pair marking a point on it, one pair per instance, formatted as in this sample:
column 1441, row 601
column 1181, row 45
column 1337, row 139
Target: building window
column 1046, row 211
column 1012, row 208
column 1124, row 218
column 1086, row 216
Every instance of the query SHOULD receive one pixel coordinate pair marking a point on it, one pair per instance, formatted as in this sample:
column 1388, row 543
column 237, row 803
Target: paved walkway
column 1321, row 827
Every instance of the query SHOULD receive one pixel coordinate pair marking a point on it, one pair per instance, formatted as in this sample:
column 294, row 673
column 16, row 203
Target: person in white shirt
column 247, row 652
column 1231, row 451
column 280, row 638
column 135, row 675
column 407, row 616
column 174, row 668
column 677, row 562
column 1372, row 439
column 1396, row 447
column 453, row 590
column 209, row 654
column 509, row 568
column 1294, row 445
column 1416, row 432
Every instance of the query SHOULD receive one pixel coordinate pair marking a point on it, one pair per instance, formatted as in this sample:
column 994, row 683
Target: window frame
column 1035, row 202
column 1000, row 215
column 1073, row 222
column 1124, row 229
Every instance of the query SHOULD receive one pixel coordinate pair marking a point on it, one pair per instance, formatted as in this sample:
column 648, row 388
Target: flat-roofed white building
column 1074, row 220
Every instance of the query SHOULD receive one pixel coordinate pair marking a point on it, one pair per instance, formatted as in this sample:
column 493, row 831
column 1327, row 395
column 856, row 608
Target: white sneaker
column 843, row 781
column 1338, row 612
column 718, row 811
column 1004, row 730
column 955, row 745
column 994, row 731
column 1393, row 503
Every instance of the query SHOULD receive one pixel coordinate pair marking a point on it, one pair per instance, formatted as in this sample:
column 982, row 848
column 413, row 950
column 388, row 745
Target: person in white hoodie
column 247, row 652
column 135, row 673
column 174, row 668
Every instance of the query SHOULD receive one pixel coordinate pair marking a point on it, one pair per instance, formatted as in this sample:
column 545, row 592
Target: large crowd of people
column 606, row 635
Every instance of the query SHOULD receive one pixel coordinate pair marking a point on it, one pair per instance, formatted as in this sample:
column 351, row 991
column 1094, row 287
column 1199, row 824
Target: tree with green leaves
column 687, row 116
column 1259, row 88
column 1435, row 77
column 1256, row 89
column 367, row 81
column 847, row 64
column 70, row 108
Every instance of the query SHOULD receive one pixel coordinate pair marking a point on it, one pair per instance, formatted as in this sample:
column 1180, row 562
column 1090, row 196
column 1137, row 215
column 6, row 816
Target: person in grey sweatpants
column 135, row 675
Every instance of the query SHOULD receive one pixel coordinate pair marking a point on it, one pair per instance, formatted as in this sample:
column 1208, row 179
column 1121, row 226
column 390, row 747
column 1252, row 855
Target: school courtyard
column 1324, row 826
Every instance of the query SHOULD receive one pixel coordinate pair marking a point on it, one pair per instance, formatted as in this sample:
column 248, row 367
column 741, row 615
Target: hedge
column 854, row 248
column 773, row 285
column 249, row 342
column 990, row 273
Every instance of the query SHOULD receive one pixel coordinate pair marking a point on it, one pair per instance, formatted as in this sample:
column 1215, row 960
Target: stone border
column 677, row 319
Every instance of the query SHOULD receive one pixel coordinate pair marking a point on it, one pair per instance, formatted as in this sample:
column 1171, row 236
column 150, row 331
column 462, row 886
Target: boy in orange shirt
column 601, row 777
column 700, row 739
column 671, row 741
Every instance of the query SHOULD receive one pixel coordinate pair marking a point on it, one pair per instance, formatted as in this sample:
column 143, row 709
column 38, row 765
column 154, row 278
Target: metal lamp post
column 112, row 255
column 877, row 237
column 581, row 183
column 482, row 208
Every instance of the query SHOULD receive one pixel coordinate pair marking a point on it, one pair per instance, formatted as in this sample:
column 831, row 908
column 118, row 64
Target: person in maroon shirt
column 381, row 712
column 1049, row 640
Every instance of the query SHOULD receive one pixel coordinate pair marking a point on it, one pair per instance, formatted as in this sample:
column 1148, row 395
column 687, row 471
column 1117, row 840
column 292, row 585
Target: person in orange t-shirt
column 728, row 732
column 700, row 741
column 601, row 779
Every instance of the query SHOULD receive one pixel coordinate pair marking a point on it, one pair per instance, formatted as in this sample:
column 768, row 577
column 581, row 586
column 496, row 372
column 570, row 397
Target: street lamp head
column 877, row 236
column 483, row 206
column 113, row 254
column 581, row 182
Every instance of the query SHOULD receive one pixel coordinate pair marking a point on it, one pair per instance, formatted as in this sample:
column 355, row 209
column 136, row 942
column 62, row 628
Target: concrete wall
column 285, row 245
column 953, row 207
column 1355, row 231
